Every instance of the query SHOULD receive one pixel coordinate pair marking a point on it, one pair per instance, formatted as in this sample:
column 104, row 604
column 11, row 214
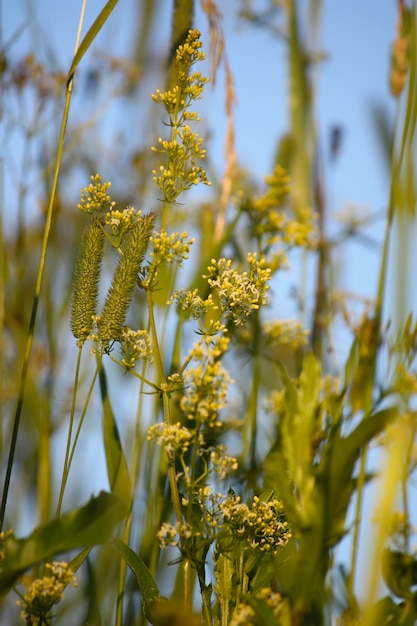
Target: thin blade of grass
column 90, row 36
column 117, row 470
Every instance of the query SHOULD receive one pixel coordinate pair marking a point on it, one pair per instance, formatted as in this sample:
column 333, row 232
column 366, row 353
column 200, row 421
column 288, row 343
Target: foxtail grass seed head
column 400, row 52
column 86, row 280
column 110, row 322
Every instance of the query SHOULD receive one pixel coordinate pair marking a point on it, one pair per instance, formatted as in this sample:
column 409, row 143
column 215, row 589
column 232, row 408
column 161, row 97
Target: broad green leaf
column 88, row 525
column 117, row 469
column 91, row 35
column 147, row 585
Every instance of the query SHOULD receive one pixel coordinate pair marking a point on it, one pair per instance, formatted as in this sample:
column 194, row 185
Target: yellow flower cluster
column 260, row 526
column 285, row 333
column 245, row 615
column 194, row 304
column 239, row 293
column 135, row 345
column 183, row 148
column 170, row 248
column 181, row 172
column 266, row 215
column 206, row 383
column 44, row 593
column 222, row 464
column 121, row 221
column 173, row 437
column 301, row 232
column 268, row 218
column 170, row 535
column 94, row 198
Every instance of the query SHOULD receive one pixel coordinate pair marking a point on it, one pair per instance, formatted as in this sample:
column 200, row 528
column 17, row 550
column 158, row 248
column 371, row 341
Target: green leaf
column 386, row 612
column 399, row 571
column 88, row 525
column 90, row 36
column 343, row 452
column 117, row 470
column 225, row 585
column 147, row 585
column 92, row 592
column 78, row 560
column 262, row 609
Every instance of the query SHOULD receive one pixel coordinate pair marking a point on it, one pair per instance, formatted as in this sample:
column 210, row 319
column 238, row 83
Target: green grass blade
column 117, row 470
column 90, row 36
column 345, row 452
column 147, row 585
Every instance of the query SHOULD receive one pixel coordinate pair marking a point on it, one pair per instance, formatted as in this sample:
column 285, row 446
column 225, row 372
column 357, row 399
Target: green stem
column 70, row 427
column 71, row 447
column 35, row 302
column 135, row 480
column 357, row 521
column 134, row 373
column 172, row 474
column 375, row 344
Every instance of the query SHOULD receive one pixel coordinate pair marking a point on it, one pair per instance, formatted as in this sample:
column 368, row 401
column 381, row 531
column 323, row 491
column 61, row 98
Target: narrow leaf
column 148, row 587
column 91, row 35
column 88, row 525
column 117, row 470
column 345, row 452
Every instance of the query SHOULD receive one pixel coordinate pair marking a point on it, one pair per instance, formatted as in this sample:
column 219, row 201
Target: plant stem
column 376, row 326
column 71, row 448
column 175, row 496
column 35, row 303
